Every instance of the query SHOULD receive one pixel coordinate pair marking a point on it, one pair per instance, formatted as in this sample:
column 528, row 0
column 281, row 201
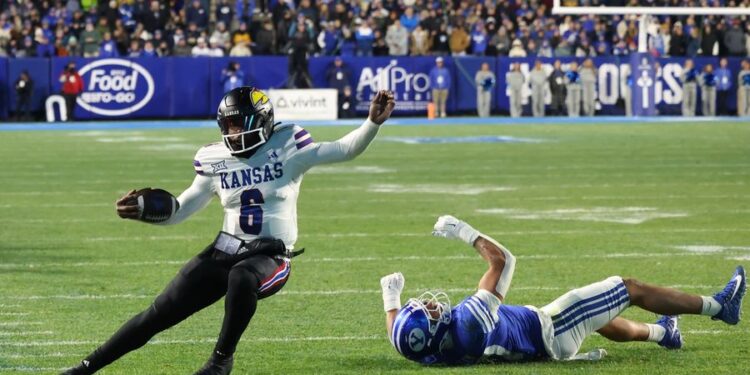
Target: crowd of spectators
column 108, row 28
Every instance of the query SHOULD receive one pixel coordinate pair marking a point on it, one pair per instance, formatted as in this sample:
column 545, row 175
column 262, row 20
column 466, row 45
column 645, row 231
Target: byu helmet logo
column 416, row 340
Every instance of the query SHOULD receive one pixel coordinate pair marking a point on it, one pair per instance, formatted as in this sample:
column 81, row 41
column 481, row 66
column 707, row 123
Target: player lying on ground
column 256, row 173
column 427, row 330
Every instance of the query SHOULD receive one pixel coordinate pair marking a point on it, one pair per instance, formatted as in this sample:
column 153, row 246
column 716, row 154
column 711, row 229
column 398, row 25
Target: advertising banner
column 305, row 104
column 188, row 87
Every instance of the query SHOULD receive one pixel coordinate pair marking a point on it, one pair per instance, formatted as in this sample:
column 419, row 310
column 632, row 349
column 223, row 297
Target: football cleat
column 217, row 365
column 672, row 337
column 81, row 369
column 731, row 298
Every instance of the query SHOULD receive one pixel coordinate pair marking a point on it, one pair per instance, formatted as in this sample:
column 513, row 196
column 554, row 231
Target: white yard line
column 17, row 324
column 426, row 234
column 334, row 292
column 26, row 333
column 357, row 259
column 207, row 340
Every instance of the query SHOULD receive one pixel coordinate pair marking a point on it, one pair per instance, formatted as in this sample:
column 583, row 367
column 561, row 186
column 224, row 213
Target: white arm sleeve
column 489, row 299
column 510, row 266
column 192, row 200
column 346, row 148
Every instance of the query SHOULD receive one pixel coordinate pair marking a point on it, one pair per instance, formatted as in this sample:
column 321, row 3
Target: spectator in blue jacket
column 232, row 76
column 409, row 20
column 440, row 83
column 44, row 48
column 108, row 48
column 479, row 40
column 723, row 85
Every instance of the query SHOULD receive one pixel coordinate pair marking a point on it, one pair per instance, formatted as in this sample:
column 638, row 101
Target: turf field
column 666, row 203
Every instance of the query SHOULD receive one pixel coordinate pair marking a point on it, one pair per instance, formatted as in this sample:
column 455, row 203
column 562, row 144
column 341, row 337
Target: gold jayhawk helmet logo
column 258, row 97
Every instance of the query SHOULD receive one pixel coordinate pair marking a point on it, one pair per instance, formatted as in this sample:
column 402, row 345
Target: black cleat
column 218, row 364
column 81, row 369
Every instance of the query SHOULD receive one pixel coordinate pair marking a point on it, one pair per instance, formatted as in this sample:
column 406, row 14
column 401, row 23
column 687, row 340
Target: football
column 156, row 205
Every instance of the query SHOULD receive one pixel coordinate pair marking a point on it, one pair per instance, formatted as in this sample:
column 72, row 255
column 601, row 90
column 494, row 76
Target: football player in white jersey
column 428, row 330
column 256, row 172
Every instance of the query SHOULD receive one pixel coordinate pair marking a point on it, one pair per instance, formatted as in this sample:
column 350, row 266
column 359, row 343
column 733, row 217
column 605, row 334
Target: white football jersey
column 259, row 194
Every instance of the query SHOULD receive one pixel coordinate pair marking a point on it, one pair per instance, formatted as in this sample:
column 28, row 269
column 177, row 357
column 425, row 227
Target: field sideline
column 576, row 203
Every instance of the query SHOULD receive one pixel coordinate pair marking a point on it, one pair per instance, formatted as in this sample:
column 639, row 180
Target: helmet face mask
column 245, row 117
column 244, row 138
column 421, row 326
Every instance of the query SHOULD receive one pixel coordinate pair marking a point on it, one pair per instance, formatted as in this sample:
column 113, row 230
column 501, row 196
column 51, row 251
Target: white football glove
column 392, row 285
column 448, row 226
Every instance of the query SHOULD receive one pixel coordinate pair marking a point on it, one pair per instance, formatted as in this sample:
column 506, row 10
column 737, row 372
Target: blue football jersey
column 509, row 333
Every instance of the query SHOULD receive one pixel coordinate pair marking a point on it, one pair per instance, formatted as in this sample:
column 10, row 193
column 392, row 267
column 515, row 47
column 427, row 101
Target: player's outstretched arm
column 501, row 262
column 391, row 285
column 353, row 144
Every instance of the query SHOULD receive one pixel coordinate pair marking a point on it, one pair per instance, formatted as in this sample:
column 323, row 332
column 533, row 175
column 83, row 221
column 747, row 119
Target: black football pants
column 200, row 283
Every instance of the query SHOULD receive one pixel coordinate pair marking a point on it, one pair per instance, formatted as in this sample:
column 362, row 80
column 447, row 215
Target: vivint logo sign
column 115, row 87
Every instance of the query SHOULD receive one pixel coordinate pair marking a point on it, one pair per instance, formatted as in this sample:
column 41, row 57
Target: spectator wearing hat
column 516, row 49
column 338, row 75
column 485, row 81
column 215, row 46
column 201, row 49
column 440, row 83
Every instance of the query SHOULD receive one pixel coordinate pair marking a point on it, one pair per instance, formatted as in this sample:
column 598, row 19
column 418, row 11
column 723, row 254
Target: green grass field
column 666, row 203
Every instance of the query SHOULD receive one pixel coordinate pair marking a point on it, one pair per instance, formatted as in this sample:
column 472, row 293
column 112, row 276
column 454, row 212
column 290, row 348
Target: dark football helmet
column 248, row 110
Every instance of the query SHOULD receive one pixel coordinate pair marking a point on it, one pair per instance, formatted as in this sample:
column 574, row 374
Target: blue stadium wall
column 184, row 87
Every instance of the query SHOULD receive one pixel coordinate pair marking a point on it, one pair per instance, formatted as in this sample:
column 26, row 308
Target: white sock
column 655, row 332
column 710, row 307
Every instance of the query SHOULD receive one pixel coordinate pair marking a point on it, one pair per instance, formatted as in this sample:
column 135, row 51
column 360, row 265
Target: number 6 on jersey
column 251, row 212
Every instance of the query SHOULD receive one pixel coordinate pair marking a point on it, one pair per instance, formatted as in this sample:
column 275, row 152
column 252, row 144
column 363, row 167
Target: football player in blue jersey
column 429, row 330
